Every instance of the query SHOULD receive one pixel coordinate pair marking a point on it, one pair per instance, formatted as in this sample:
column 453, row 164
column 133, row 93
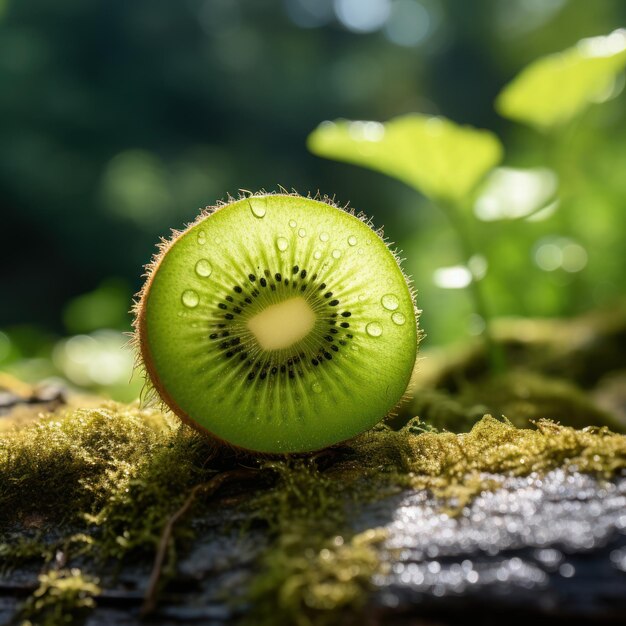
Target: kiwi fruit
column 277, row 324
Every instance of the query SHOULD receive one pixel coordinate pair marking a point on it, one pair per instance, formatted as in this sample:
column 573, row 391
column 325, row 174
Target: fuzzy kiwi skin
column 330, row 421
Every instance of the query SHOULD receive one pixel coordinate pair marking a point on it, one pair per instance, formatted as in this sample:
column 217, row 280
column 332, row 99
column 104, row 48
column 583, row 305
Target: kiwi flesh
column 277, row 324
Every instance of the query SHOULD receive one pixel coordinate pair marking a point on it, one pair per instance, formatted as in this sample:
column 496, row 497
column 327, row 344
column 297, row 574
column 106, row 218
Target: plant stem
column 495, row 354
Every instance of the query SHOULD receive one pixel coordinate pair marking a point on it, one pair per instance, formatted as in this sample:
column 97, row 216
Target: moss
column 324, row 582
column 62, row 597
column 17, row 548
column 453, row 466
column 521, row 395
column 70, row 462
column 439, row 409
column 554, row 365
column 103, row 483
column 317, row 571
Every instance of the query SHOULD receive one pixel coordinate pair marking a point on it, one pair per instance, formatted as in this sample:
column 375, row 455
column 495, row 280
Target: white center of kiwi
column 281, row 325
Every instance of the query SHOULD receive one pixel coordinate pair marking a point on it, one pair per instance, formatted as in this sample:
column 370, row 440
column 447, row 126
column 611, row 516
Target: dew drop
column 201, row 237
column 203, row 268
column 316, row 387
column 302, row 232
column 389, row 301
column 374, row 329
column 360, row 250
column 324, row 236
column 190, row 298
column 258, row 207
column 398, row 318
column 317, row 255
column 282, row 243
column 336, row 254
column 352, row 240
column 292, row 223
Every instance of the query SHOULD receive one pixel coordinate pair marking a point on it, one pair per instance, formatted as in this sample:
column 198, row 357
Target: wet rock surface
column 543, row 548
column 552, row 546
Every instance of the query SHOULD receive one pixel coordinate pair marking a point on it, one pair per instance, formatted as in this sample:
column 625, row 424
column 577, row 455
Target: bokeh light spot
column 134, row 186
column 362, row 16
column 555, row 253
column 409, row 23
column 453, row 277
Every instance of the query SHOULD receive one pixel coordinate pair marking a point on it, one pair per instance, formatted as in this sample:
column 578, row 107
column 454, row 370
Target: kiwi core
column 281, row 325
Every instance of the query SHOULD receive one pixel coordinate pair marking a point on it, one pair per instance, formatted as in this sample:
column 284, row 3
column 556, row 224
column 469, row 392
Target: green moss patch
column 62, row 597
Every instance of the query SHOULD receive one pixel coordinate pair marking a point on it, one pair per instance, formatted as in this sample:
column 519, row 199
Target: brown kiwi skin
column 144, row 362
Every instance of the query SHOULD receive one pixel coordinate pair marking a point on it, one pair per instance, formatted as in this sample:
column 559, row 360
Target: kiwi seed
column 277, row 324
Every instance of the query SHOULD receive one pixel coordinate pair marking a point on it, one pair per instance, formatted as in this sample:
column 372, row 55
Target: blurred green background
column 118, row 120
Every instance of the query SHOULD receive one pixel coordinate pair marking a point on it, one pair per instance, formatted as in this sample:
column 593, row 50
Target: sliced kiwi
column 278, row 324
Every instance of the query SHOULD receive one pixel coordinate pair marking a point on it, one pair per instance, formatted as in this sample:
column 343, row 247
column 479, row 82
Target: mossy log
column 113, row 514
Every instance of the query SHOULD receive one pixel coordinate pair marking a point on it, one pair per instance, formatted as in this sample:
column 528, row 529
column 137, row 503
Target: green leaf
column 441, row 159
column 554, row 89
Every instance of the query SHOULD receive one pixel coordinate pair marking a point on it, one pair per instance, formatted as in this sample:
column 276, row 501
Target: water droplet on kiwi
column 336, row 254
column 389, row 301
column 218, row 241
column 360, row 250
column 324, row 236
column 352, row 240
column 317, row 255
column 302, row 232
column 203, row 268
column 292, row 223
column 190, row 298
column 257, row 206
column 201, row 238
column 398, row 318
column 316, row 387
column 282, row 243
column 362, row 297
column 374, row 329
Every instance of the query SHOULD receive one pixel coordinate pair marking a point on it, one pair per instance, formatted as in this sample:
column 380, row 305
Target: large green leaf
column 555, row 88
column 436, row 156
